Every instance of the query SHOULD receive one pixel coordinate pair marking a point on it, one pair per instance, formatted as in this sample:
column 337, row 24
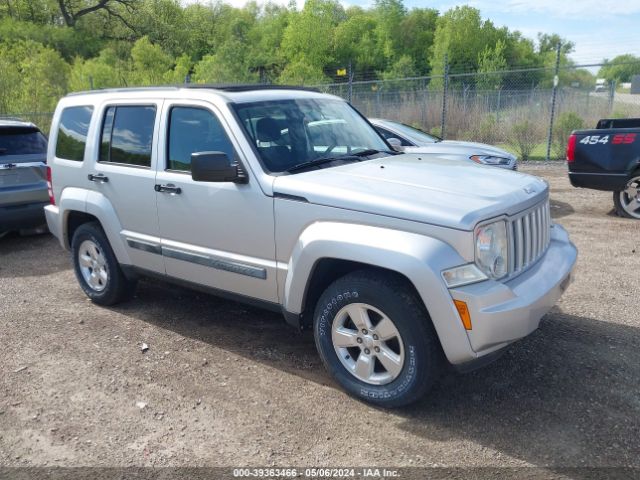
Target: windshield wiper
column 354, row 157
column 322, row 161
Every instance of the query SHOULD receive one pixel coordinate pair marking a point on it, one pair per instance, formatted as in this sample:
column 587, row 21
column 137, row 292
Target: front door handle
column 168, row 188
column 97, row 177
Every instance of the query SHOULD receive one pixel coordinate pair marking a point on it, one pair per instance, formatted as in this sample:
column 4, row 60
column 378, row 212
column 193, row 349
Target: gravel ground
column 223, row 384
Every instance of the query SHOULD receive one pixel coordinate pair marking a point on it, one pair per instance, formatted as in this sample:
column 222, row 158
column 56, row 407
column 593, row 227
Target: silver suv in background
column 408, row 139
column 290, row 200
column 23, row 182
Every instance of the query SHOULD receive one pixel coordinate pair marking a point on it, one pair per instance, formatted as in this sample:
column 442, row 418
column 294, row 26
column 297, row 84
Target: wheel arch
column 328, row 250
column 79, row 207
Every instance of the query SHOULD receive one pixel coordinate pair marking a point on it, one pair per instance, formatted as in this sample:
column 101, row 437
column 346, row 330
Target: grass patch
column 539, row 153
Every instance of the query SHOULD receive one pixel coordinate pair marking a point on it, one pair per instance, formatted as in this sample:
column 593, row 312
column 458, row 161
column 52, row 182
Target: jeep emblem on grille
column 529, row 189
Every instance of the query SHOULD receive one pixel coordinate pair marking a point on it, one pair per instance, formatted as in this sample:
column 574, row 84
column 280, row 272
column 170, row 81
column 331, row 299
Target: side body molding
column 417, row 257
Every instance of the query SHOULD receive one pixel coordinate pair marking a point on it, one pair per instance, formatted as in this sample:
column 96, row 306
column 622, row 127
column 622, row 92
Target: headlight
column 492, row 249
column 490, row 160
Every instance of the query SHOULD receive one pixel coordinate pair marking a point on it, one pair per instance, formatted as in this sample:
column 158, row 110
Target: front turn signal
column 463, row 311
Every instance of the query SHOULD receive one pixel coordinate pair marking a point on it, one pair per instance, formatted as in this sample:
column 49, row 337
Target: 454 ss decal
column 618, row 139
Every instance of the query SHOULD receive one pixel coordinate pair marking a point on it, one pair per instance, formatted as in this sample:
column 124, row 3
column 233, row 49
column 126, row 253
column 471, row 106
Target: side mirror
column 213, row 167
column 396, row 143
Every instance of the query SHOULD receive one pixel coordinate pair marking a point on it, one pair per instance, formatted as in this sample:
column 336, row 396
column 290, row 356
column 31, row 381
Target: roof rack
column 248, row 87
column 221, row 87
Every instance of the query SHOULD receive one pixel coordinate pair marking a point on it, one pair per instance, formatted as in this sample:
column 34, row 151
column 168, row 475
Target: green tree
column 33, row 77
column 301, row 73
column 490, row 61
column 416, row 36
column 461, row 34
column 307, row 40
column 227, row 65
column 621, row 68
column 390, row 14
column 149, row 64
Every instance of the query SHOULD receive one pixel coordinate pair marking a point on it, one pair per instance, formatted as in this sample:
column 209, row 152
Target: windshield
column 22, row 141
column 287, row 133
column 413, row 134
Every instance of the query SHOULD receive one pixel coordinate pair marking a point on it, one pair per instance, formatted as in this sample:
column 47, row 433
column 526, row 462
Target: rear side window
column 72, row 133
column 193, row 130
column 22, row 141
column 127, row 135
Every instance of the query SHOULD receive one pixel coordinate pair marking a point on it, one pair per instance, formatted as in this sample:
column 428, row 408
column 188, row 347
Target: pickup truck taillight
column 52, row 200
column 571, row 148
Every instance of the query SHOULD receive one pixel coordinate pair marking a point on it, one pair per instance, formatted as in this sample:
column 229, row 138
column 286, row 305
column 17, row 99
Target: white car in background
column 412, row 140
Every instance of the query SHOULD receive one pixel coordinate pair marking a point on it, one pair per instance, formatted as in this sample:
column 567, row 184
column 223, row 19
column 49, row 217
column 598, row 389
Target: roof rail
column 221, row 87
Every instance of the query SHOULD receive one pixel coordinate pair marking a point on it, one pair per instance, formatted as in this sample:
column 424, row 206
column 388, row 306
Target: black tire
column 117, row 287
column 617, row 200
column 396, row 298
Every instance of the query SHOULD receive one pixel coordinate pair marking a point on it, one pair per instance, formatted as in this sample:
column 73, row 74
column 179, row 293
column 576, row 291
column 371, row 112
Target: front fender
column 417, row 257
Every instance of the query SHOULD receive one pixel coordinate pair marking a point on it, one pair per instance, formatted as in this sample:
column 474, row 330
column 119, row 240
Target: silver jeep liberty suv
column 290, row 199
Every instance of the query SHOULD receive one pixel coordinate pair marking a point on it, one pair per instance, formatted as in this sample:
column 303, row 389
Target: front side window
column 72, row 133
column 192, row 130
column 127, row 135
column 287, row 133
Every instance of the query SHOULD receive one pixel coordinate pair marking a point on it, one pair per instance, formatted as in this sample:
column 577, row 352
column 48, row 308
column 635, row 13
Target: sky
column 599, row 28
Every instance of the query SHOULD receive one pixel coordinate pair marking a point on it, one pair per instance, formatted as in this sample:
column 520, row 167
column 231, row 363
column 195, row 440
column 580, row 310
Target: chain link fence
column 513, row 109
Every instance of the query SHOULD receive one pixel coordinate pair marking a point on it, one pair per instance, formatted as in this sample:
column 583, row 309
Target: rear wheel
column 627, row 201
column 97, row 268
column 376, row 339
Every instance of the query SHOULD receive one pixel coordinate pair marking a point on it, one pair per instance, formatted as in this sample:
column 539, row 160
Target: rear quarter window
column 72, row 133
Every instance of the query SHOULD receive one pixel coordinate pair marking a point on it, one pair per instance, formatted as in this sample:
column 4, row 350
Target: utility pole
column 444, row 96
column 556, row 81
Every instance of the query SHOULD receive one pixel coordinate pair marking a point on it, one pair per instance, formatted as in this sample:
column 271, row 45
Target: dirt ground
column 223, row 384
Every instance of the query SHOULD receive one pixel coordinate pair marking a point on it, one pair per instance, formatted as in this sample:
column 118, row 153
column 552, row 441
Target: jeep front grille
column 529, row 236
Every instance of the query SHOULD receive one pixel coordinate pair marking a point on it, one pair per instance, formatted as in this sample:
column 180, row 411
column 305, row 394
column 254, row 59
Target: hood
column 454, row 147
column 455, row 194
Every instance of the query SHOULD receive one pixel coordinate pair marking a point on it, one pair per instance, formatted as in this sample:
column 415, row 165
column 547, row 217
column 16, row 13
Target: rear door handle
column 168, row 188
column 98, row 178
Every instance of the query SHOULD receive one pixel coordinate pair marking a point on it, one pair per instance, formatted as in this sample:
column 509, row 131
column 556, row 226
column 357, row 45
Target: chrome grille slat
column 527, row 240
column 529, row 237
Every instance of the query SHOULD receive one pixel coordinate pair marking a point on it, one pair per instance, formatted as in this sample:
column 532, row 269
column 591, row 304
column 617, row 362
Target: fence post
column 612, row 94
column 423, row 110
column 556, row 80
column 444, row 96
column 350, row 73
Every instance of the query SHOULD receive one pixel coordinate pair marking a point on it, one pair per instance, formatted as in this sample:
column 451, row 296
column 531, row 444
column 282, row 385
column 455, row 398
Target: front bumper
column 502, row 313
column 18, row 217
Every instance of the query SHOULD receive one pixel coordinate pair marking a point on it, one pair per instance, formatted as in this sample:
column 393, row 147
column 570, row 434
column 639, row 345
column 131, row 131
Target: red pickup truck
column 608, row 158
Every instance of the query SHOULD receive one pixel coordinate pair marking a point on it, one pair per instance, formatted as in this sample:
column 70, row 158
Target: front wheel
column 376, row 339
column 627, row 201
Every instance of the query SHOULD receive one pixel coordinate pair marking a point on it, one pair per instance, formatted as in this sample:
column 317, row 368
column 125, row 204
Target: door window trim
column 167, row 135
column 105, row 108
